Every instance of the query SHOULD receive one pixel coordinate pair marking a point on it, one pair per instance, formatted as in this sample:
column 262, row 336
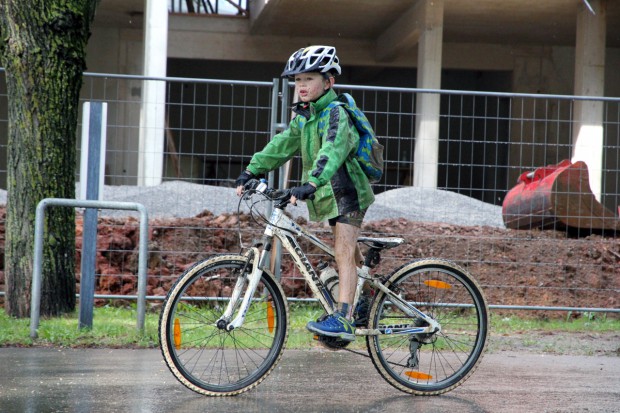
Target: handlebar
column 281, row 196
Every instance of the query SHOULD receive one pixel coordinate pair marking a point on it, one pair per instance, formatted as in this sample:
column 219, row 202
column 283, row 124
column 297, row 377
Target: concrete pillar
column 153, row 112
column 590, row 81
column 426, row 154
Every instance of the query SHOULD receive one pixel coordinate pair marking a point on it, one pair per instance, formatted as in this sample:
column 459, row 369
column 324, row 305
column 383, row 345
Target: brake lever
column 284, row 199
column 310, row 197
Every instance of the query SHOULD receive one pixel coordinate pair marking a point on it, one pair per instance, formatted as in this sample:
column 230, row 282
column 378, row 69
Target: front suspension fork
column 252, row 282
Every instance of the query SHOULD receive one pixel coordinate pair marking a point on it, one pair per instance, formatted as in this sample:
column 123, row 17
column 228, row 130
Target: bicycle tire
column 213, row 361
column 429, row 364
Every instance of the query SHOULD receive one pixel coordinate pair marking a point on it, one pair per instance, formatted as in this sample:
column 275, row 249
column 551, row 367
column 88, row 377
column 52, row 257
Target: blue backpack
column 369, row 152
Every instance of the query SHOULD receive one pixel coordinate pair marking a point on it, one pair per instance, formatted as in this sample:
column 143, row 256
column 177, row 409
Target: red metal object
column 556, row 196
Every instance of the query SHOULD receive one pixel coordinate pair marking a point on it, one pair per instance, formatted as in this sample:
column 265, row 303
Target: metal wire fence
column 228, row 7
column 486, row 142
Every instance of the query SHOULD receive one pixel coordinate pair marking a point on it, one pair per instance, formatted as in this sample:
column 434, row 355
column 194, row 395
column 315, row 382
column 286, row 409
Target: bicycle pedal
column 331, row 343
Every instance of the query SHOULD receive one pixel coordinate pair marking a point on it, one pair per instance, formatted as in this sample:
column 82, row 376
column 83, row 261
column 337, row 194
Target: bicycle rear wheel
column 211, row 360
column 429, row 364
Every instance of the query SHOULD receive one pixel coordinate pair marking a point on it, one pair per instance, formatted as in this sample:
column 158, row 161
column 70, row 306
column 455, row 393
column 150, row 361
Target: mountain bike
column 224, row 323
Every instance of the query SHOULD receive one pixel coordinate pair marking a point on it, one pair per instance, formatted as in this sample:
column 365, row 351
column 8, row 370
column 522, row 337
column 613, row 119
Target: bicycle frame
column 229, row 346
column 287, row 231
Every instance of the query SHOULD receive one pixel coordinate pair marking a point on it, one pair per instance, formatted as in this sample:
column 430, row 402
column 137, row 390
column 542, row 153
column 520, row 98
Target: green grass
column 116, row 327
column 112, row 327
column 299, row 337
column 572, row 323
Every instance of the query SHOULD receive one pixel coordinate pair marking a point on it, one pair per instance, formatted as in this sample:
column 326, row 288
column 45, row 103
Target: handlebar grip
column 251, row 184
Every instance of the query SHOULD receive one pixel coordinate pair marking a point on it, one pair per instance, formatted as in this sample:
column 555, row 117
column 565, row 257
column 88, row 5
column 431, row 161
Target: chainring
column 330, row 343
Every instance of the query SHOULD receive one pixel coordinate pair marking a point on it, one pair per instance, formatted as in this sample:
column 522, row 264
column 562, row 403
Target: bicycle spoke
column 433, row 362
column 210, row 359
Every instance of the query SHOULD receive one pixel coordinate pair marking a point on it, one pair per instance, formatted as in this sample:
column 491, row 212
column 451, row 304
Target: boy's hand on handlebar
column 242, row 180
column 305, row 191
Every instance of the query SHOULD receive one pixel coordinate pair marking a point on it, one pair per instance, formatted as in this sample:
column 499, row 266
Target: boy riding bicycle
column 334, row 186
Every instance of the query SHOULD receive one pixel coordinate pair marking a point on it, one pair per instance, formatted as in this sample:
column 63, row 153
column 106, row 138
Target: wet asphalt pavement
column 113, row 380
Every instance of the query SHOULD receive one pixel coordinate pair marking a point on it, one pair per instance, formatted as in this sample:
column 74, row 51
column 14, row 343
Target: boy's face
column 311, row 86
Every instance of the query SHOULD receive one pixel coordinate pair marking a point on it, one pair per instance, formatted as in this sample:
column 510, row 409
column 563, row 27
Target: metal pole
column 93, row 111
column 274, row 127
column 35, row 299
column 271, row 176
column 282, row 176
column 142, row 260
column 38, row 252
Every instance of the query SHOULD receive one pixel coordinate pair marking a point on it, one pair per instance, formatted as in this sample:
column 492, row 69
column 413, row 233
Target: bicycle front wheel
column 429, row 363
column 212, row 360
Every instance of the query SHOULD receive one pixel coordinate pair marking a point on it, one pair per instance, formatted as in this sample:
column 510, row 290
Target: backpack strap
column 369, row 152
column 346, row 99
column 333, row 104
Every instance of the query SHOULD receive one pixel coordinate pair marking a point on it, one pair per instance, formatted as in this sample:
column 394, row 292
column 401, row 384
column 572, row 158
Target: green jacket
column 327, row 141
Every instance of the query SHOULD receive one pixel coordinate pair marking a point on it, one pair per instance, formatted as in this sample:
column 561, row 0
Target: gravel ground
column 178, row 199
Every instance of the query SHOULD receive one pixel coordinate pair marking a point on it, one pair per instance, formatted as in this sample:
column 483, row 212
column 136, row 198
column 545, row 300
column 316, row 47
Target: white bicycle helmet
column 320, row 59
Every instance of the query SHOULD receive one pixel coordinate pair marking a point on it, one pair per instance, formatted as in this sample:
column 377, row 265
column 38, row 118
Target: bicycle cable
column 256, row 216
column 247, row 196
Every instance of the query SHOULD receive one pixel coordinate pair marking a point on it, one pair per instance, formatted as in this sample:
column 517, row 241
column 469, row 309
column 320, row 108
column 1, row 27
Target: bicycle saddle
column 382, row 243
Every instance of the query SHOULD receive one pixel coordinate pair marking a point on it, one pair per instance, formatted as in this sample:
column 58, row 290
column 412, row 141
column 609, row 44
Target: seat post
column 373, row 257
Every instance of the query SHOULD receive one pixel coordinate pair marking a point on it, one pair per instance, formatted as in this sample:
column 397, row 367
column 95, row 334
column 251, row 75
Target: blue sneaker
column 334, row 325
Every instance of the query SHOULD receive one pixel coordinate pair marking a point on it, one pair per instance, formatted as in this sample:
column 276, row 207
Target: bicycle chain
column 356, row 352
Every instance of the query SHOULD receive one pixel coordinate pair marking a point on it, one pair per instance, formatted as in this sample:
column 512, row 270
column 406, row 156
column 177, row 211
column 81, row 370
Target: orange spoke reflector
column 270, row 317
column 177, row 334
column 437, row 284
column 418, row 375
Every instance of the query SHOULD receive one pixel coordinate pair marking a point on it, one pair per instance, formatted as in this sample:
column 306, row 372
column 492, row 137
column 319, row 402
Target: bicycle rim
column 211, row 360
column 429, row 364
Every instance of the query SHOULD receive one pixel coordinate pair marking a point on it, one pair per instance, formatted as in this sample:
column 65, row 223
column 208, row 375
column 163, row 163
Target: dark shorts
column 354, row 218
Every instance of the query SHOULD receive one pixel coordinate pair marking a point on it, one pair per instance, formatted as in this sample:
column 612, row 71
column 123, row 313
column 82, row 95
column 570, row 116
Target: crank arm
column 394, row 330
column 410, row 310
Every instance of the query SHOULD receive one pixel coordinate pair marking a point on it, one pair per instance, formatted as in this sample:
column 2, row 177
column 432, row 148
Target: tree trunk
column 42, row 47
